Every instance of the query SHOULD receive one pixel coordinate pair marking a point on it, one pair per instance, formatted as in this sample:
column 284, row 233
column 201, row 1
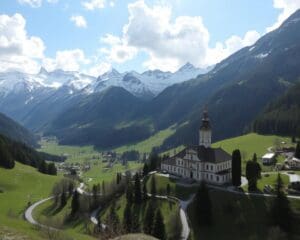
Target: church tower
column 205, row 131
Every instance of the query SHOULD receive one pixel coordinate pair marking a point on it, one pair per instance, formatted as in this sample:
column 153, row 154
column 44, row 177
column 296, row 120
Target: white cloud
column 35, row 3
column 119, row 50
column 288, row 7
column 67, row 60
column 18, row 51
column 97, row 4
column 79, row 21
column 99, row 69
column 168, row 42
column 231, row 45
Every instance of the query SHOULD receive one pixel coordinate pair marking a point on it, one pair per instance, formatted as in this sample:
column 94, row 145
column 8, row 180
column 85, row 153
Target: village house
column 201, row 162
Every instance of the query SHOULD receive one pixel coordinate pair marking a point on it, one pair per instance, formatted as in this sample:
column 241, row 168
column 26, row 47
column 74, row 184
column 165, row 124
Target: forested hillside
column 281, row 116
column 15, row 131
column 11, row 151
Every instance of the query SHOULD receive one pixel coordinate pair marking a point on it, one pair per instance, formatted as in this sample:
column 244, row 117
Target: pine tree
column 253, row 173
column 149, row 218
column 63, row 199
column 52, row 169
column 297, row 152
column 75, row 204
column 236, row 168
column 113, row 217
column 136, row 225
column 43, row 168
column 281, row 213
column 203, row 205
column 145, row 193
column 129, row 194
column 137, row 189
column 6, row 160
column 127, row 220
column 168, row 190
column 145, row 169
column 153, row 186
column 158, row 229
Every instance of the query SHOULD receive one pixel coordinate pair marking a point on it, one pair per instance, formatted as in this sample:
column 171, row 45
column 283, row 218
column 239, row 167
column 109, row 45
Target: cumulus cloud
column 67, row 60
column 119, row 50
column 287, row 7
column 99, row 69
column 35, row 3
column 169, row 43
column 231, row 45
column 79, row 21
column 18, row 51
column 97, row 4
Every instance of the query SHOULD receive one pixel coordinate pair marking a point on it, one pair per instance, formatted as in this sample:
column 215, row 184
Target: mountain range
column 121, row 108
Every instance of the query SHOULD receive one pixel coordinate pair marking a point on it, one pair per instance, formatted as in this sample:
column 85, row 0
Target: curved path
column 28, row 213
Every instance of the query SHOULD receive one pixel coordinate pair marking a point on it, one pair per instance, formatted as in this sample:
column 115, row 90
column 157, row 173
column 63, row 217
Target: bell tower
column 205, row 131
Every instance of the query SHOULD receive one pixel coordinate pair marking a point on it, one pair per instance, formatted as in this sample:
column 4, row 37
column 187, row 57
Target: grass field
column 250, row 144
column 81, row 154
column 237, row 217
column 21, row 185
column 99, row 172
column 167, row 209
column 73, row 153
column 49, row 215
column 176, row 190
column 147, row 145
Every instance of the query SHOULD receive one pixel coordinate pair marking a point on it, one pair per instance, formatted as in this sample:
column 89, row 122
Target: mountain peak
column 186, row 67
column 43, row 71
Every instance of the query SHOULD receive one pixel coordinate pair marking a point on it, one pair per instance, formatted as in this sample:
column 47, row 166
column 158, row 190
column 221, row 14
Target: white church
column 201, row 162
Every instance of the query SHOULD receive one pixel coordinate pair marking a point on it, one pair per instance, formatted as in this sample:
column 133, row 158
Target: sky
column 93, row 36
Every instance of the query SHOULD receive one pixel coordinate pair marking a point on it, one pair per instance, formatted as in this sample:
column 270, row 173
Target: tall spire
column 205, row 130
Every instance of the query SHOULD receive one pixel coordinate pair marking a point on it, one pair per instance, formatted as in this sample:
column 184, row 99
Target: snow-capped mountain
column 147, row 84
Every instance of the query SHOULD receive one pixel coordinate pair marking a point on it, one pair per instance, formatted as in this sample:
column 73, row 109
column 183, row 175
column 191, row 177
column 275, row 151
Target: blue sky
column 160, row 34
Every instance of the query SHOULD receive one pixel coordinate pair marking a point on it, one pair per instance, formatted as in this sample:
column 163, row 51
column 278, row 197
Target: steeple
column 205, row 131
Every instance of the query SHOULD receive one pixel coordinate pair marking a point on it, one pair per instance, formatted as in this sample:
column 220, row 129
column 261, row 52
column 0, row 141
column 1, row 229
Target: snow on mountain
column 147, row 84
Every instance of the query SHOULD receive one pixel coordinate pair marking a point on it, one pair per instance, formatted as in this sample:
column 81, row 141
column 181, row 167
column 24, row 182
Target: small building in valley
column 201, row 162
column 268, row 158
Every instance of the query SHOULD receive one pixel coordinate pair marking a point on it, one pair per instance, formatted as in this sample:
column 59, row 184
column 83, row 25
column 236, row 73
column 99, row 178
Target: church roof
column 213, row 155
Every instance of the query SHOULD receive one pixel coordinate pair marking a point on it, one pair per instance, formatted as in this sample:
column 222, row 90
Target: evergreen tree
column 281, row 213
column 127, row 220
column 145, row 196
column 158, row 229
column 154, row 161
column 297, row 152
column 149, row 218
column 153, row 186
column 129, row 194
column 63, row 199
column 136, row 225
column 145, row 169
column 103, row 187
column 168, row 190
column 43, row 168
column 137, row 189
column 52, row 169
column 113, row 217
column 253, row 173
column 75, row 204
column 236, row 168
column 203, row 205
column 6, row 159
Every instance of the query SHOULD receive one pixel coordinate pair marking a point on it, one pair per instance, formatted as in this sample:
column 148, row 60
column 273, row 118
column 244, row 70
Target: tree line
column 11, row 151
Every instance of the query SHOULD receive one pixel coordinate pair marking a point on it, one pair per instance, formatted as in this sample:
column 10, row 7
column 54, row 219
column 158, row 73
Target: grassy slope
column 235, row 217
column 49, row 215
column 166, row 208
column 147, row 145
column 250, row 144
column 99, row 172
column 81, row 154
column 21, row 185
column 73, row 153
